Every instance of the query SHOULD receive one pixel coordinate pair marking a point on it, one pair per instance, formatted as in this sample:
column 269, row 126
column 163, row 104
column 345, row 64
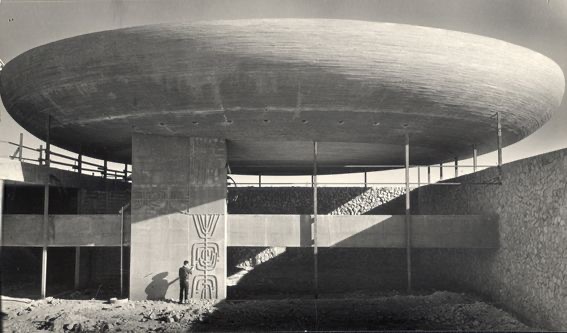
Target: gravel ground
column 436, row 311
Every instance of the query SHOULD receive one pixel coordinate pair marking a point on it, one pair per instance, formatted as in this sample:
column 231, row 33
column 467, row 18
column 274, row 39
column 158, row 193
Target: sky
column 540, row 25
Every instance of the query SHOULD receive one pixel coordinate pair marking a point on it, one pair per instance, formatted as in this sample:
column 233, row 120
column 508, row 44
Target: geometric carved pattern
column 204, row 256
column 205, row 287
column 206, row 224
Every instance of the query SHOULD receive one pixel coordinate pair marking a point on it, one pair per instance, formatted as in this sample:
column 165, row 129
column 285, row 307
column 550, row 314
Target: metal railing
column 81, row 166
column 422, row 175
column 64, row 161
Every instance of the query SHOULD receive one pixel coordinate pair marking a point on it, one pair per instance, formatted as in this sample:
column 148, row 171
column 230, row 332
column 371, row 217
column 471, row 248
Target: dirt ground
column 436, row 311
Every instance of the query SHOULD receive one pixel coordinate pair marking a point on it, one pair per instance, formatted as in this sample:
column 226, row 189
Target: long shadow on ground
column 437, row 311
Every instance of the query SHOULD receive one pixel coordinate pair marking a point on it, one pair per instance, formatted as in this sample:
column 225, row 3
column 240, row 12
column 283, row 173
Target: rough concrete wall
column 102, row 202
column 528, row 273
column 299, row 200
column 283, row 272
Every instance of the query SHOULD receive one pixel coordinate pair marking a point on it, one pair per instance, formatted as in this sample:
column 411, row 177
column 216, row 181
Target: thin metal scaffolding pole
column 428, row 174
column 122, row 248
column 440, row 171
column 499, row 138
column 475, row 157
column 408, row 217
column 77, row 267
column 21, row 149
column 80, row 164
column 315, row 244
column 456, row 167
column 45, row 209
column 40, row 159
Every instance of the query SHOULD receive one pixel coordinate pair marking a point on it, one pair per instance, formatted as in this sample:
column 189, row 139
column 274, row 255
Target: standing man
column 184, row 273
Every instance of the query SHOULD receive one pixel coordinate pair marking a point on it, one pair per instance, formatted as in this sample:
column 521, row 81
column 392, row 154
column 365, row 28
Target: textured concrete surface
column 452, row 231
column 63, row 230
column 299, row 200
column 260, row 82
column 102, row 202
column 178, row 213
column 528, row 273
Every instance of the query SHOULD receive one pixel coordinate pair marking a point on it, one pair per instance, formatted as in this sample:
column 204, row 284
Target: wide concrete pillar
column 178, row 213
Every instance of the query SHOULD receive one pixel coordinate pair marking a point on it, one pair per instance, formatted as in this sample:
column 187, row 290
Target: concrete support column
column 1, row 212
column 178, row 213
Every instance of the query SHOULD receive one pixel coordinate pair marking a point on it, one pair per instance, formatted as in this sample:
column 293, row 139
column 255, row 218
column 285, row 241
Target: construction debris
column 436, row 311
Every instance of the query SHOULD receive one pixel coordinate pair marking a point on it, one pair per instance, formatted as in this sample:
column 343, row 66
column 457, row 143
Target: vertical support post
column 499, row 127
column 428, row 174
column 474, row 158
column 125, row 171
column 80, row 163
column 77, row 266
column 440, row 171
column 315, row 244
column 365, row 180
column 21, row 147
column 122, row 249
column 40, row 154
column 456, row 167
column 408, row 217
column 1, row 211
column 45, row 210
column 418, row 176
column 259, row 180
column 105, row 169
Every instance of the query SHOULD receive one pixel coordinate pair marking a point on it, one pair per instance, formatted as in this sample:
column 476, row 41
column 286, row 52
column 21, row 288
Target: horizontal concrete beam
column 375, row 231
column 64, row 230
column 378, row 231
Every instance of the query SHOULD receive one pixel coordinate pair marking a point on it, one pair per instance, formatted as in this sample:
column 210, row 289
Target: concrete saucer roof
column 272, row 86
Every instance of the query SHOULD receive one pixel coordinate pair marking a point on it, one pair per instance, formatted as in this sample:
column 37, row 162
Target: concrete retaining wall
column 528, row 273
column 64, row 230
column 371, row 231
column 299, row 200
column 285, row 272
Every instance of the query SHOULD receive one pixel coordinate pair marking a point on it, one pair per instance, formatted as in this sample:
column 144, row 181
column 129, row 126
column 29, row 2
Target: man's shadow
column 157, row 289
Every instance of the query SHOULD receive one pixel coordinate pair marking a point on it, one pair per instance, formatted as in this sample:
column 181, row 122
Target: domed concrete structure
column 181, row 101
column 271, row 87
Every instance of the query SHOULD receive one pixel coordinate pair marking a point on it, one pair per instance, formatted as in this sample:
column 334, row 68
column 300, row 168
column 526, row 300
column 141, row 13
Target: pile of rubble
column 436, row 311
